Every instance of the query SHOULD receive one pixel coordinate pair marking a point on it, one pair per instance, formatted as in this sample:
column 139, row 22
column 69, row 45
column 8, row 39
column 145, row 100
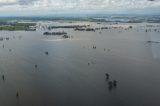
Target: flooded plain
column 73, row 73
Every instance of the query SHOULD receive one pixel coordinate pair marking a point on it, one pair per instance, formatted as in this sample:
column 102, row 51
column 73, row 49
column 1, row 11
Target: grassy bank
column 18, row 26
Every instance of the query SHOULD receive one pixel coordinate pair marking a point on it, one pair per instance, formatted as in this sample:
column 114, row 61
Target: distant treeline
column 64, row 34
column 92, row 18
column 55, row 33
column 69, row 26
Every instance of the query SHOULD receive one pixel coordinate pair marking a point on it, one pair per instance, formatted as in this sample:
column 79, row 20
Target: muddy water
column 74, row 74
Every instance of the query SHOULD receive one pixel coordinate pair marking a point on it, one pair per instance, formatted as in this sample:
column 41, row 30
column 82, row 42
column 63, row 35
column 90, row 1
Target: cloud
column 7, row 2
column 26, row 2
column 54, row 5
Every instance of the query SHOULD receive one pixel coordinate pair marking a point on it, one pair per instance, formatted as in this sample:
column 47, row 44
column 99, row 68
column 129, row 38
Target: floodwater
column 73, row 73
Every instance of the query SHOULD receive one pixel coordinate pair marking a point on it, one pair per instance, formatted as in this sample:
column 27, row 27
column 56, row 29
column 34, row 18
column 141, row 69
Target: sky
column 44, row 7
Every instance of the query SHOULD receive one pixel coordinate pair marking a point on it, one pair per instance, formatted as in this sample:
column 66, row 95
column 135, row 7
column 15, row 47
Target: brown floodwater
column 73, row 73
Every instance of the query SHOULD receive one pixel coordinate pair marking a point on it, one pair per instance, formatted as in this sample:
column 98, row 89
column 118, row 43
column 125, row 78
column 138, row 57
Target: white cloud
column 29, row 5
column 7, row 2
